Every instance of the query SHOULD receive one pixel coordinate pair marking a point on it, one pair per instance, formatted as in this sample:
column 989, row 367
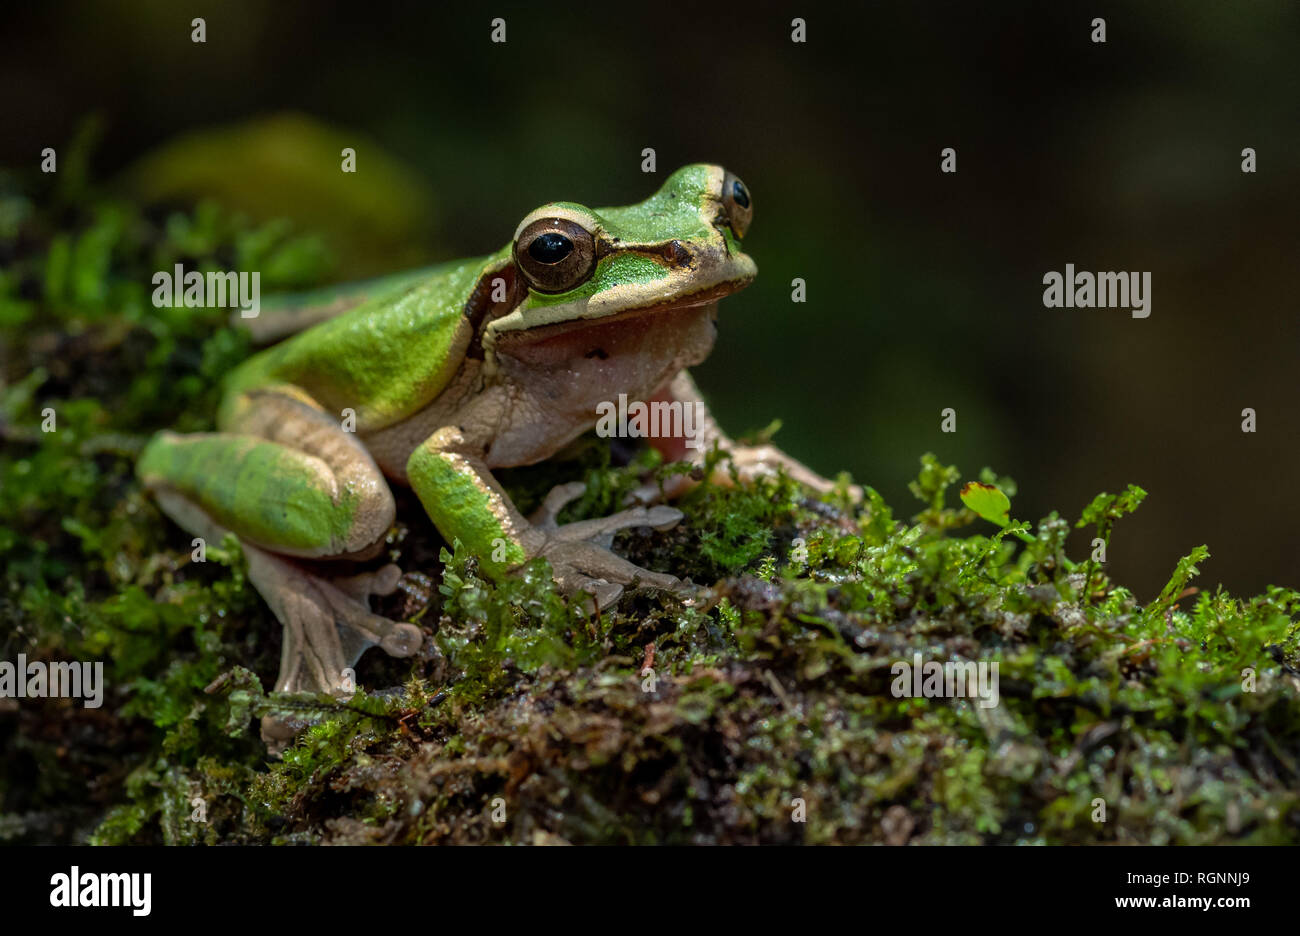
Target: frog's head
column 673, row 254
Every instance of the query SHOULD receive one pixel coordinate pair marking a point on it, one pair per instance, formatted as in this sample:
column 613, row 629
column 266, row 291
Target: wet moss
column 759, row 708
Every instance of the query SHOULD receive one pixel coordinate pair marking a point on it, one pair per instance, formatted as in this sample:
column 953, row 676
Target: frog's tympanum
column 434, row 379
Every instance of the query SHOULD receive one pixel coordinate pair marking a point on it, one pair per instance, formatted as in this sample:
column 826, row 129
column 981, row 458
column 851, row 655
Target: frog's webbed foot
column 580, row 554
column 327, row 626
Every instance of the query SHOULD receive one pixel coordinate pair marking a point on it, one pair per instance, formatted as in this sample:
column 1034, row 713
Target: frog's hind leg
column 291, row 485
column 327, row 624
column 750, row 461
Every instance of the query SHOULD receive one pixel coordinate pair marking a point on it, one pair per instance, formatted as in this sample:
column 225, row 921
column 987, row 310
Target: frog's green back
column 289, row 313
column 385, row 358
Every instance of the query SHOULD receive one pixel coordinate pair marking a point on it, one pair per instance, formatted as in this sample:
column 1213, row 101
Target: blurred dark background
column 924, row 289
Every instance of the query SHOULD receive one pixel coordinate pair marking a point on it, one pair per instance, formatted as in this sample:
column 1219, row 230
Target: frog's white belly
column 557, row 383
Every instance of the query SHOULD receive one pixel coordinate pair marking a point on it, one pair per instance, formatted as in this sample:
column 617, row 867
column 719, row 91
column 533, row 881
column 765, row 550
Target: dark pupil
column 739, row 194
column 550, row 247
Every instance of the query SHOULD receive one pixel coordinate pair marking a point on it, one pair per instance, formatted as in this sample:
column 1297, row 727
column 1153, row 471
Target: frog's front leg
column 465, row 502
column 750, row 461
column 291, row 485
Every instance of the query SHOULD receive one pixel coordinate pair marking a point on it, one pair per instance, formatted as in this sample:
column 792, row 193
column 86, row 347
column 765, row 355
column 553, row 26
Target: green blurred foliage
column 378, row 219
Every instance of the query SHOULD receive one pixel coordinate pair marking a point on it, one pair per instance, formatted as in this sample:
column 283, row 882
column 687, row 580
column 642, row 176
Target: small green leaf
column 987, row 501
column 1105, row 509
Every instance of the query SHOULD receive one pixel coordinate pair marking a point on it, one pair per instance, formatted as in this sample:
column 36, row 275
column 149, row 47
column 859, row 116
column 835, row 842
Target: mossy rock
column 768, row 706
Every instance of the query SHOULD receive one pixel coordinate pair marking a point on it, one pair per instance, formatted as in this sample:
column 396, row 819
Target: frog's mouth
column 639, row 345
column 649, row 329
column 665, row 311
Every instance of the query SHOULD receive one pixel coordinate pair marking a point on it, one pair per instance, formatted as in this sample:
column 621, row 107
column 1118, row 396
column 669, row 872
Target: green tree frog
column 433, row 380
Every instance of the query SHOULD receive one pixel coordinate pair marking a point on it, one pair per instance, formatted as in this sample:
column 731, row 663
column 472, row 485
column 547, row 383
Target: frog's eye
column 740, row 208
column 555, row 254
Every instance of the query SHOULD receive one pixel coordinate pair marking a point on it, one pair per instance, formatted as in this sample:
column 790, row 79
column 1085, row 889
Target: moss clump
column 758, row 709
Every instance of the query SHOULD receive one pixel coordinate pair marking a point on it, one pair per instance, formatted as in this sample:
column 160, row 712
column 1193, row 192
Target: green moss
column 715, row 717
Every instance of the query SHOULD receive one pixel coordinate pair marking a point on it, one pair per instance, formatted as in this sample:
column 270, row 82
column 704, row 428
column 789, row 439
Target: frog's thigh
column 707, row 432
column 286, row 478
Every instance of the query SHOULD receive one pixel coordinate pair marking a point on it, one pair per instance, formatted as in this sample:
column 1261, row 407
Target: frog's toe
column 278, row 731
column 556, row 500
column 582, row 566
column 352, row 614
column 667, row 489
column 327, row 627
column 580, row 554
column 596, row 594
column 757, row 461
column 382, row 581
column 602, row 529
